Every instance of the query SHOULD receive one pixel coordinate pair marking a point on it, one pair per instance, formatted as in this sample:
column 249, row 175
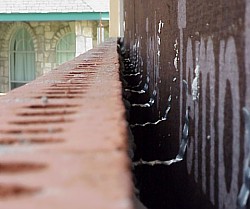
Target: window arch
column 66, row 48
column 22, row 58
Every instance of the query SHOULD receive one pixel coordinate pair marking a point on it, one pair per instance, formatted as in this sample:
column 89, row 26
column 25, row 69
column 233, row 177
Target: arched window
column 66, row 48
column 22, row 58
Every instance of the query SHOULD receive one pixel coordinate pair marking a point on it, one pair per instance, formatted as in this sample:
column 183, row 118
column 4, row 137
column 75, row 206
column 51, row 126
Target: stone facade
column 45, row 37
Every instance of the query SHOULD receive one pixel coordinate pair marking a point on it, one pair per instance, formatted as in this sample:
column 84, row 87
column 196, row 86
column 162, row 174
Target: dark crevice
column 154, row 185
column 152, row 137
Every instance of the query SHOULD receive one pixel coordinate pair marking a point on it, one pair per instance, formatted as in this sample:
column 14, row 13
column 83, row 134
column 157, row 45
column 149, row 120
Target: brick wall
column 173, row 38
column 63, row 138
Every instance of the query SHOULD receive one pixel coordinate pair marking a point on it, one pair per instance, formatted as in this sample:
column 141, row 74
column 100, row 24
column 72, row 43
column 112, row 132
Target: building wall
column 206, row 46
column 45, row 37
column 116, row 18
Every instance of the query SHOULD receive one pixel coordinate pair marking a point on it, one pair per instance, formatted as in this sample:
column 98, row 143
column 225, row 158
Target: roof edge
column 62, row 16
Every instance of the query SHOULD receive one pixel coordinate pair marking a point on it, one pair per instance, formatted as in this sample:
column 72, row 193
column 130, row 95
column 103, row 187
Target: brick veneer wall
column 172, row 39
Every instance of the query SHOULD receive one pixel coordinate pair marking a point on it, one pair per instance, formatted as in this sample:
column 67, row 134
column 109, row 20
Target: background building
column 36, row 36
column 117, row 24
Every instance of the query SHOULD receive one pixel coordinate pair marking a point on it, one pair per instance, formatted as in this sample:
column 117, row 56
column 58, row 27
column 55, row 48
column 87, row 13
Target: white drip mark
column 160, row 26
column 157, row 162
column 176, row 55
column 136, row 86
column 143, row 91
column 195, row 84
column 148, row 104
column 176, row 62
column 132, row 74
column 182, row 148
column 243, row 196
column 158, row 121
column 183, row 145
column 159, row 40
column 134, row 91
column 141, row 105
column 148, row 123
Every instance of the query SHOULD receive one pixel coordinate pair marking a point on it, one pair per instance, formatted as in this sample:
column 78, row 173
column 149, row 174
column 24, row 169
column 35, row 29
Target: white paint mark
column 229, row 72
column 159, row 40
column 182, row 15
column 195, row 84
column 163, row 118
column 160, row 26
column 176, row 55
column 124, row 25
column 176, row 62
column 207, row 64
column 134, row 91
column 192, row 153
column 247, row 69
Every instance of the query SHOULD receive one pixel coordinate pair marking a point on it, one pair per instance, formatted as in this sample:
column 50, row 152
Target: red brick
column 69, row 150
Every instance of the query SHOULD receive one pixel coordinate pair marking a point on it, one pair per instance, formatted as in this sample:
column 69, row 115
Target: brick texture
column 197, row 52
column 63, row 138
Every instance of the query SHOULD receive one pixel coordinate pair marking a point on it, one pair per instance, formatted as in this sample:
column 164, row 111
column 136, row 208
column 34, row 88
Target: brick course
column 63, row 138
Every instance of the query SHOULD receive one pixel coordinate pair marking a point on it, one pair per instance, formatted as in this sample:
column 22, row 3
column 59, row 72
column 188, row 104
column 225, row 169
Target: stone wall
column 45, row 36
